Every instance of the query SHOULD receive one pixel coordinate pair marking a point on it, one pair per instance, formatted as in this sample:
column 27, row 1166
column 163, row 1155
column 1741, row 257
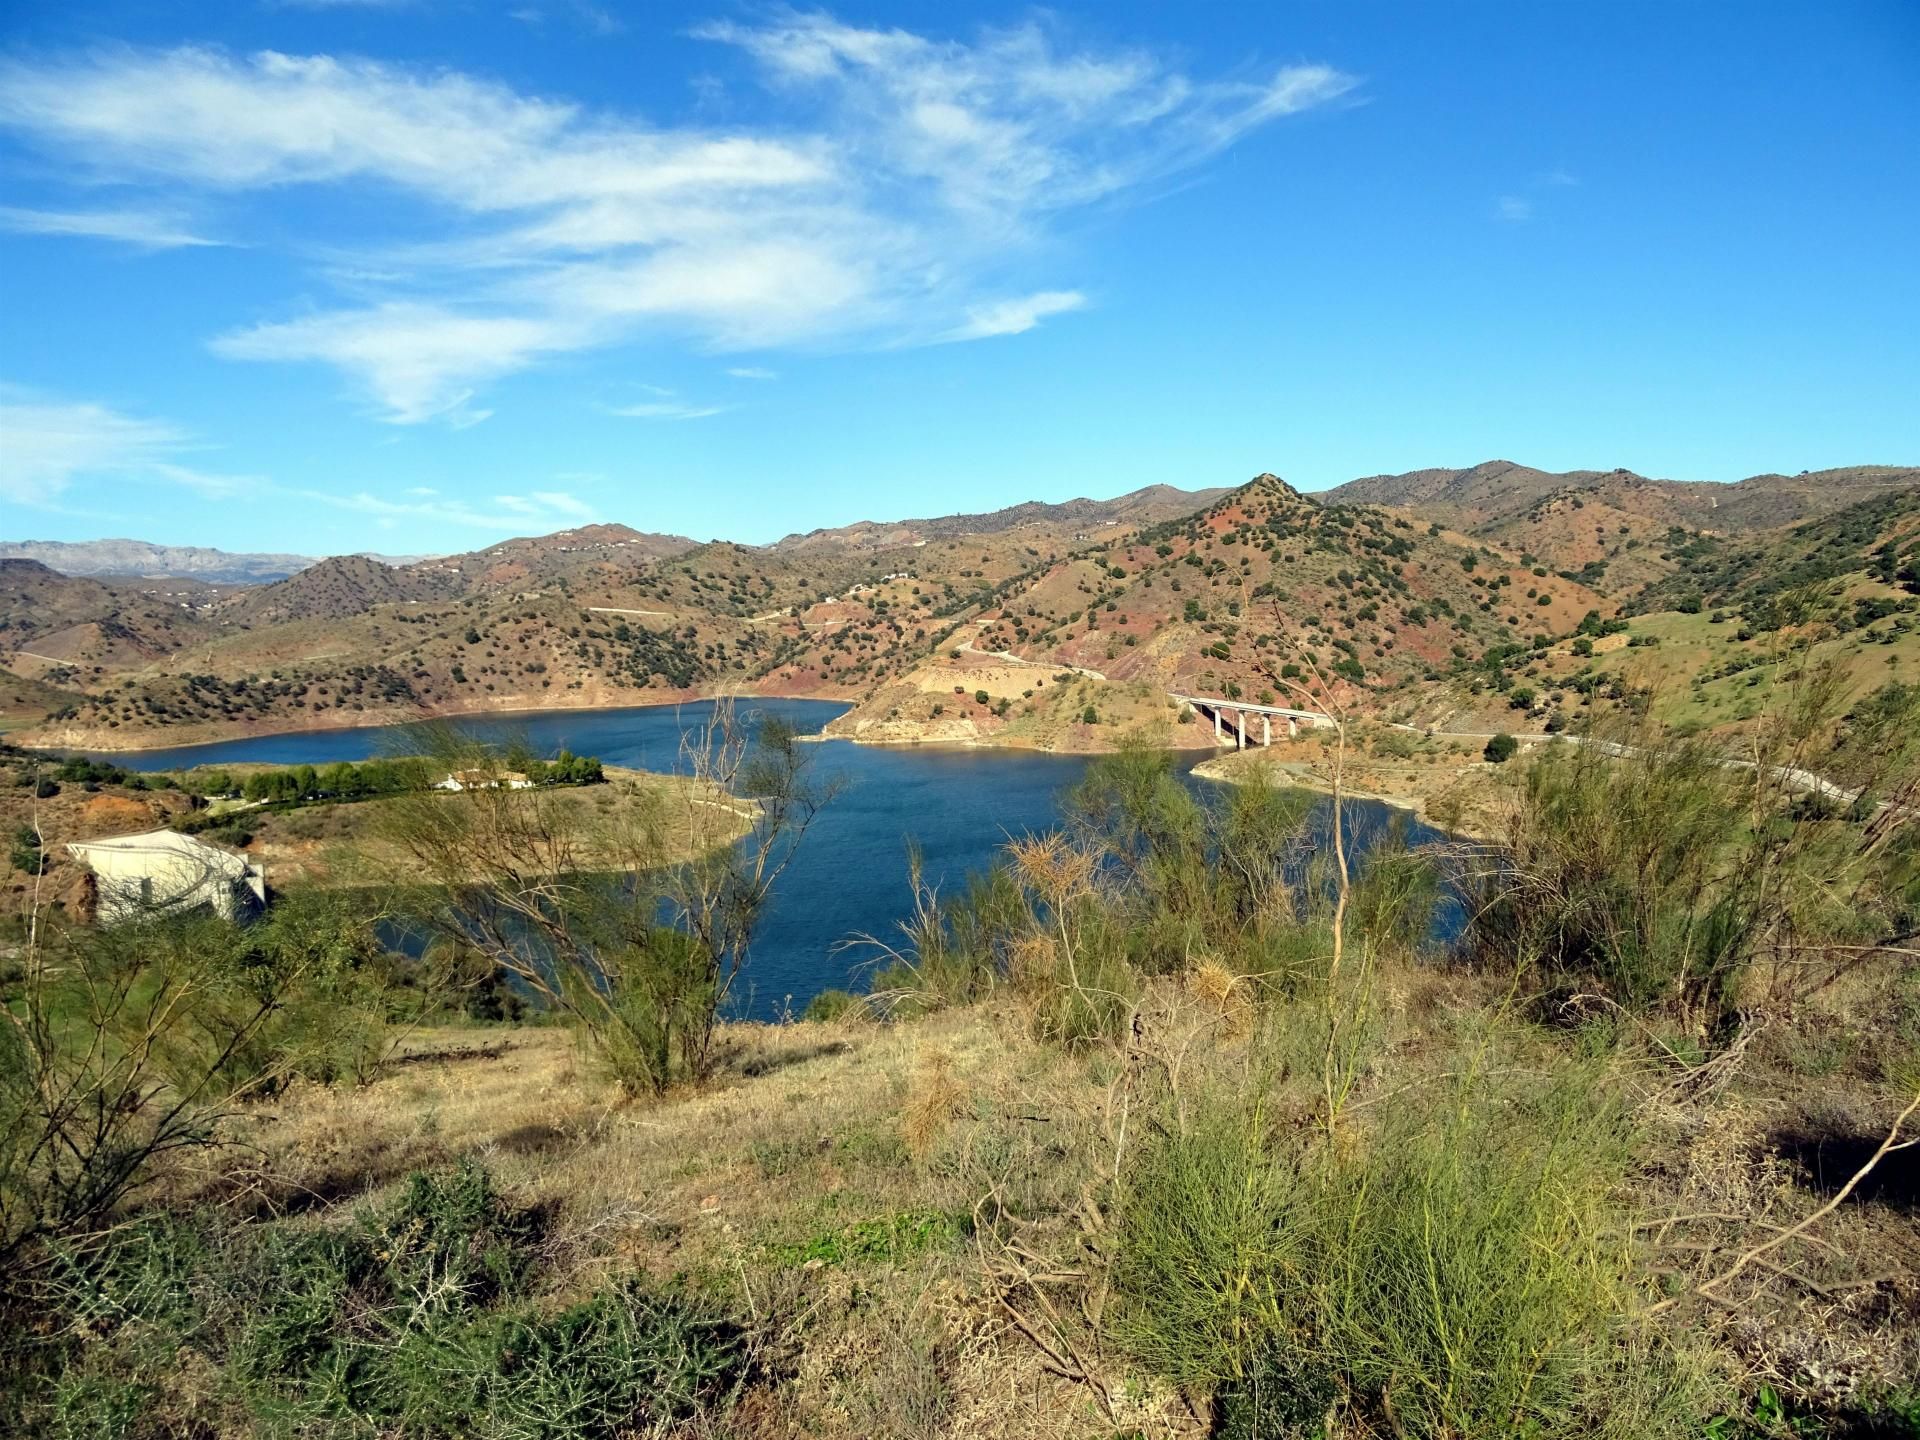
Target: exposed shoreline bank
column 1465, row 826
column 189, row 736
column 192, row 736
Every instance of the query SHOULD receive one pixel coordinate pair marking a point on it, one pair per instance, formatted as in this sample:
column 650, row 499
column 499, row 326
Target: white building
column 160, row 872
column 484, row 780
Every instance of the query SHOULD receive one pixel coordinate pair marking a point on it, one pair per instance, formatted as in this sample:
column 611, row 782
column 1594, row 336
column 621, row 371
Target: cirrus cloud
column 901, row 171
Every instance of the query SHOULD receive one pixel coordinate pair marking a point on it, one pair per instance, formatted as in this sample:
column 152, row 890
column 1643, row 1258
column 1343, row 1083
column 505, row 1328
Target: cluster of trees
column 346, row 781
column 566, row 768
column 339, row 781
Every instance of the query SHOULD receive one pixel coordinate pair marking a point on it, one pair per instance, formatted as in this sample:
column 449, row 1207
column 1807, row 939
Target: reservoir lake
column 849, row 876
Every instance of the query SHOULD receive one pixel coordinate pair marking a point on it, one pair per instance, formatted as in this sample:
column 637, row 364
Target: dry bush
column 931, row 1104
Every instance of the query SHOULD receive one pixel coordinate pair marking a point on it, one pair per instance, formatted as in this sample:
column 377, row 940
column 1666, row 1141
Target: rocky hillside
column 1403, row 604
column 334, row 589
column 1499, row 491
column 63, row 629
column 1614, row 530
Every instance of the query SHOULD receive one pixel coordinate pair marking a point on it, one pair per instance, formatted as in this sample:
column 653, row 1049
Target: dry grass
column 346, row 844
column 825, row 1183
column 769, row 1185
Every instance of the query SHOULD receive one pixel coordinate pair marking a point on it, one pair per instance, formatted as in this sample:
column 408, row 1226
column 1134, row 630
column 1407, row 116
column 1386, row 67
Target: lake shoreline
column 224, row 735
column 1014, row 746
column 196, row 736
column 1305, row 778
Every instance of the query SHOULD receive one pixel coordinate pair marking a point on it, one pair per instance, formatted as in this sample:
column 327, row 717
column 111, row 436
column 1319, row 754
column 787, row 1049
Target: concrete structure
column 161, row 872
column 1241, row 709
column 483, row 780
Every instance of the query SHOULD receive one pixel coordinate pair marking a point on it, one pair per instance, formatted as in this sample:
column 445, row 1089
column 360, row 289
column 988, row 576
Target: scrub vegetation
column 1184, row 1120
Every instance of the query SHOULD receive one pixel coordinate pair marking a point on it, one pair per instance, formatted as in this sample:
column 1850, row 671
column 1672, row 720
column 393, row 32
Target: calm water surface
column 850, row 874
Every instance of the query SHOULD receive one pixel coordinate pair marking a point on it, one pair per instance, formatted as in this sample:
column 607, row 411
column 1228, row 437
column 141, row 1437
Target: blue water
column 849, row 876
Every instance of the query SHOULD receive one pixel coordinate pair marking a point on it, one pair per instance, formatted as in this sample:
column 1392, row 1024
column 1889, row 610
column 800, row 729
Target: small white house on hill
column 484, row 780
column 161, row 872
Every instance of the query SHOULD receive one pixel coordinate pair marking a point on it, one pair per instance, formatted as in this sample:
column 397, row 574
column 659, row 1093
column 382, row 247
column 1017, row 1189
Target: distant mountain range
column 1396, row 582
column 141, row 559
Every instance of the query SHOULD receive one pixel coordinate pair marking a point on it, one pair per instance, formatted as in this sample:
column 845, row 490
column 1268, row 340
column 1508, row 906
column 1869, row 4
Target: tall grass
column 1146, row 877
column 1458, row 1268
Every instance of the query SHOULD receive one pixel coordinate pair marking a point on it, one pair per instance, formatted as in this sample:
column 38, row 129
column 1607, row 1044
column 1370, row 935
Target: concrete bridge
column 1239, row 710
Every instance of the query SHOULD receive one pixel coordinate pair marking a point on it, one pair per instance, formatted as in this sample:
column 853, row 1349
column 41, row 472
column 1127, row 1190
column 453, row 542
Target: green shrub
column 626, row 1361
column 411, row 1319
column 1658, row 871
column 952, row 948
column 26, row 854
column 1461, row 1270
column 1500, row 749
column 656, row 1008
column 1213, row 1236
column 834, row 1005
column 125, row 1040
column 1082, row 992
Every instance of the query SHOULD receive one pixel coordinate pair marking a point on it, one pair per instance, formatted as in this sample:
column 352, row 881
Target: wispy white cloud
column 900, row 171
column 565, row 503
column 418, row 361
column 1519, row 208
column 752, row 372
column 664, row 410
column 1009, row 126
column 596, row 19
column 661, row 404
column 540, row 512
column 141, row 228
column 46, row 442
column 1015, row 317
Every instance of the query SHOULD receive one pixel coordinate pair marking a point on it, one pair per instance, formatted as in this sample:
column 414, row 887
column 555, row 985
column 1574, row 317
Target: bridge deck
column 1216, row 703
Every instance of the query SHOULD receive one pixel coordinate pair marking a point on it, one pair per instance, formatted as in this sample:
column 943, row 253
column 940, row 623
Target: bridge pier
column 1219, row 707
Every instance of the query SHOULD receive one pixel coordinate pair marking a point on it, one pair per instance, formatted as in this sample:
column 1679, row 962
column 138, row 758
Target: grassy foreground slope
column 1180, row 1123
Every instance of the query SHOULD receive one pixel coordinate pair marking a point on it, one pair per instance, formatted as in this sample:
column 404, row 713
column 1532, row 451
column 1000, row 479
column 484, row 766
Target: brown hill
column 333, row 589
column 1395, row 600
column 1500, row 490
column 1147, row 506
column 530, row 561
column 64, row 629
column 1615, row 530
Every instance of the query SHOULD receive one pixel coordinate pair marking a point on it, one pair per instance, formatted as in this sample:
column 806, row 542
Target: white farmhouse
column 483, row 780
column 160, row 872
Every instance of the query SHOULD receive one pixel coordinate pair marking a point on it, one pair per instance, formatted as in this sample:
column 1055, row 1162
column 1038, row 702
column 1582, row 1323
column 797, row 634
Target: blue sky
column 411, row 277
